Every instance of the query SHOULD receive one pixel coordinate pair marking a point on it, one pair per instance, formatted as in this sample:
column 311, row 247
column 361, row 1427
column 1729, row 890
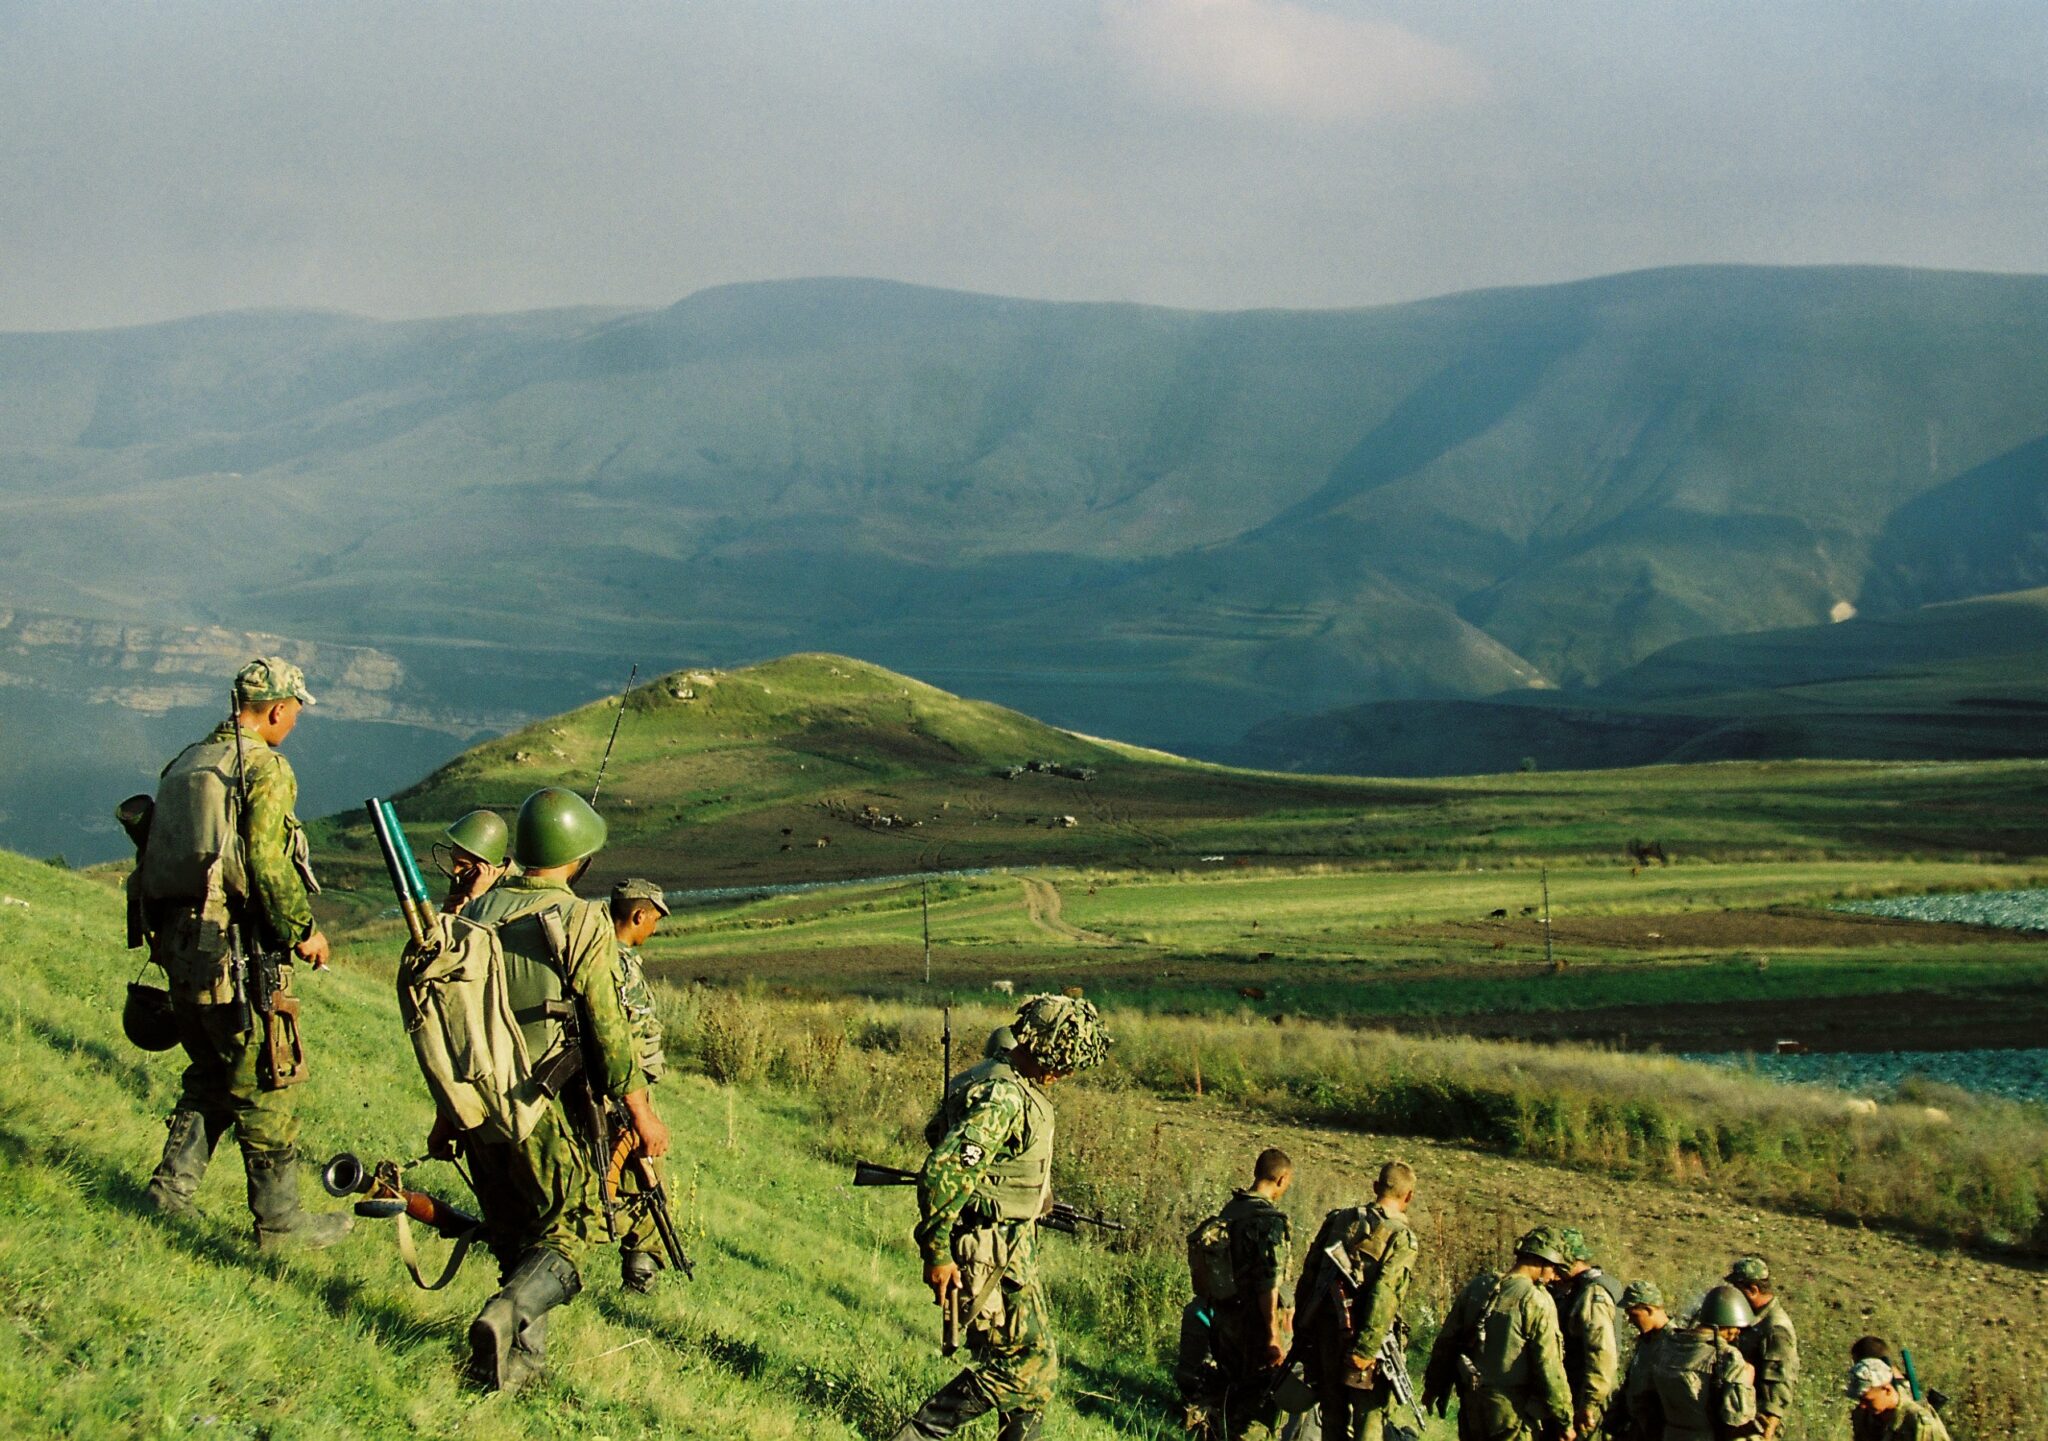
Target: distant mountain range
column 1166, row 526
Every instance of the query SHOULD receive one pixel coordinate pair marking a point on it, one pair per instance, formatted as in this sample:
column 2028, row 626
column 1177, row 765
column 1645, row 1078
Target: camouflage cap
column 1574, row 1242
column 1867, row 1375
column 1641, row 1293
column 271, row 678
column 1545, row 1243
column 636, row 889
column 1064, row 1033
column 1749, row 1271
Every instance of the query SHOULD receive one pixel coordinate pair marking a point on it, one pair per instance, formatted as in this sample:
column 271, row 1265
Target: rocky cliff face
column 156, row 669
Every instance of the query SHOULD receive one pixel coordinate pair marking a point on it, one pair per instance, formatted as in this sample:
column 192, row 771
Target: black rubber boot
column 1020, row 1426
column 274, row 1198
column 508, row 1341
column 637, row 1270
column 186, row 1151
column 951, row 1407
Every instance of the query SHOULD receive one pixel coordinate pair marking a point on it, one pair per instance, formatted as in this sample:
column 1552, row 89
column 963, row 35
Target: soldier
column 540, row 1196
column 637, row 907
column 1770, row 1345
column 1592, row 1354
column 1891, row 1414
column 225, row 874
column 1707, row 1390
column 1636, row 1414
column 1232, row 1343
column 1349, row 1309
column 476, row 856
column 1869, row 1425
column 1501, row 1351
column 980, row 1194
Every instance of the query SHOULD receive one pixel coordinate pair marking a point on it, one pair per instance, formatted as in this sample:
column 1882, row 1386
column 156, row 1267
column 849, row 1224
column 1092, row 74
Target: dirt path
column 1042, row 904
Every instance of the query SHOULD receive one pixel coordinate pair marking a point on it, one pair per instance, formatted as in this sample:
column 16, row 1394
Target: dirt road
column 1042, row 904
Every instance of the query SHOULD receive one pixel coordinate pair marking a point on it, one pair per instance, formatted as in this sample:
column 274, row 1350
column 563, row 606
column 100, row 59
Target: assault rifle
column 1391, row 1360
column 1061, row 1217
column 605, row 1128
column 652, row 1197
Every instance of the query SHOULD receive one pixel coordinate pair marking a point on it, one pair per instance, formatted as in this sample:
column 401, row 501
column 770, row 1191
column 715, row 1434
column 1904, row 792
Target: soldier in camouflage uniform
column 1344, row 1323
column 1884, row 1410
column 1501, row 1352
column 1707, row 1391
column 980, row 1193
column 1637, row 1415
column 1229, row 1349
column 1770, row 1344
column 637, row 907
column 210, row 866
column 540, row 1196
column 1592, row 1353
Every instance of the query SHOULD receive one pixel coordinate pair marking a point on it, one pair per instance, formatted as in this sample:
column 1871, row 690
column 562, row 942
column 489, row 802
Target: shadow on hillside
column 119, row 1066
column 229, row 1246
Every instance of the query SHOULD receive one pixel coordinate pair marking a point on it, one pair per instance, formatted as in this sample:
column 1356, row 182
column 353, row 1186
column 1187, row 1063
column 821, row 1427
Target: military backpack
column 1210, row 1270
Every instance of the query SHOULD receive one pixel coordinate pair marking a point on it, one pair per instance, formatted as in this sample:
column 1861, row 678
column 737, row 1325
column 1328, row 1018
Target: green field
column 806, row 1318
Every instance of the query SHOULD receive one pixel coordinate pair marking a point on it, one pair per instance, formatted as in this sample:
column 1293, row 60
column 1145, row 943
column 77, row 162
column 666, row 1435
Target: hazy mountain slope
column 1962, row 680
column 1162, row 525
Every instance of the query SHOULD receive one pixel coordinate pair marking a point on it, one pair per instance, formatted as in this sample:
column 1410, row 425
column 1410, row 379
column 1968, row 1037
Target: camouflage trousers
column 220, row 1079
column 1015, row 1362
column 539, row 1194
column 1488, row 1415
column 1349, row 1414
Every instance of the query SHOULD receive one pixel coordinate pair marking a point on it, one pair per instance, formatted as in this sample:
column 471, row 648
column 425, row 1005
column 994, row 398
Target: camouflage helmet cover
column 1866, row 1376
column 1545, row 1243
column 271, row 678
column 1574, row 1242
column 1641, row 1293
column 483, row 834
column 1064, row 1033
column 556, row 828
column 1750, row 1271
column 1725, row 1306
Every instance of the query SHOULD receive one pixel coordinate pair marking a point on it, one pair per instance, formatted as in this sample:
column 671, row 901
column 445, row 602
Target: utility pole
column 1546, row 916
column 924, row 904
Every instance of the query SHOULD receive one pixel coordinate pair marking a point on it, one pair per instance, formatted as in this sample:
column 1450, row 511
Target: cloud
column 1284, row 60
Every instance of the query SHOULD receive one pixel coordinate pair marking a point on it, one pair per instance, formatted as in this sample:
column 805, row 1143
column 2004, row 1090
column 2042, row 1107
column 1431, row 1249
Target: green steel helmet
column 556, row 828
column 1546, row 1244
column 1725, row 1306
column 1641, row 1293
column 1574, row 1242
column 1064, row 1033
column 146, row 1018
column 483, row 834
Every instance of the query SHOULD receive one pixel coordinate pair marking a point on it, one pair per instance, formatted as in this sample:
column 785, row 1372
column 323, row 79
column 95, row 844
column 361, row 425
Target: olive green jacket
column 1508, row 1326
column 1704, row 1384
column 1772, row 1346
column 1592, row 1353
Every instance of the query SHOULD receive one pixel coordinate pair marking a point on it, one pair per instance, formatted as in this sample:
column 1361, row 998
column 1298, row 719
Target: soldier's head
column 637, row 908
column 1542, row 1255
column 1863, row 1348
column 1395, row 1187
column 479, row 841
column 1726, row 1311
column 1644, row 1305
column 1057, row 1036
column 556, row 835
column 1751, row 1275
column 1578, row 1255
column 1272, row 1173
column 1873, row 1386
column 269, row 694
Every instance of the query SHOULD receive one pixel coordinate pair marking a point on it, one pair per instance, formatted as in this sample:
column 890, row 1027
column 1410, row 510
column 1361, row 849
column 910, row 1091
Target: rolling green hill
column 1162, row 525
column 1965, row 679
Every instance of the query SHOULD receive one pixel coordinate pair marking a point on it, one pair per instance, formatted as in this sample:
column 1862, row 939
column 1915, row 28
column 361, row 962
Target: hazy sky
column 420, row 158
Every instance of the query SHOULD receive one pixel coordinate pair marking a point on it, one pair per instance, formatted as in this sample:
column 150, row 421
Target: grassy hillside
column 805, row 1319
column 1155, row 524
column 1961, row 680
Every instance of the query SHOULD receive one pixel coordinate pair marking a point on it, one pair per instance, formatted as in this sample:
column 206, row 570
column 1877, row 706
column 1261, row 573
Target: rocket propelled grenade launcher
column 406, row 881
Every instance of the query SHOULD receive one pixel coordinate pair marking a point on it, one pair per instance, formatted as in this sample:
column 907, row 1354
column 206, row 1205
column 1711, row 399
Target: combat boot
column 637, row 1270
column 1020, row 1426
column 186, row 1151
column 508, row 1341
column 951, row 1407
column 274, row 1198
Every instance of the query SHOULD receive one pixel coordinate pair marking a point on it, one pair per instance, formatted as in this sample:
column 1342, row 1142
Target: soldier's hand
column 472, row 879
column 1276, row 1354
column 944, row 1279
column 653, row 1131
column 1587, row 1422
column 313, row 950
column 442, row 1138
